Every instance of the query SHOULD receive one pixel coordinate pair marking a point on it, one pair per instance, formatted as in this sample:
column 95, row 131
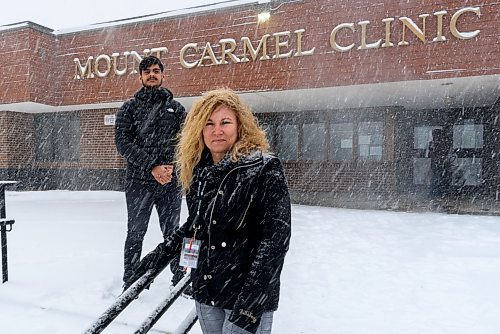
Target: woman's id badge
column 190, row 252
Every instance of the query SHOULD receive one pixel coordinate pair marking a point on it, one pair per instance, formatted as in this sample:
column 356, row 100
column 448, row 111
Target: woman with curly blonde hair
column 250, row 135
column 239, row 217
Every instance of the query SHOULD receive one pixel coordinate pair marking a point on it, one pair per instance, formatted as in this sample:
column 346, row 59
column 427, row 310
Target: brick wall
column 38, row 66
column 97, row 143
column 324, row 68
column 15, row 60
column 16, row 140
column 42, row 79
column 345, row 178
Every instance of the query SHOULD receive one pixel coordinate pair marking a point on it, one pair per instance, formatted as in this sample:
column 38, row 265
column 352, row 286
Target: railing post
column 3, row 237
column 3, row 230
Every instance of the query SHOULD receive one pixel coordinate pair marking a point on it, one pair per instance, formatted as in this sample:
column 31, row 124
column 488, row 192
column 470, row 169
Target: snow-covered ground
column 347, row 272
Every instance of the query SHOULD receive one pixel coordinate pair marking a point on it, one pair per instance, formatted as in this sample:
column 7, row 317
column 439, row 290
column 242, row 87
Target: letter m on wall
column 85, row 71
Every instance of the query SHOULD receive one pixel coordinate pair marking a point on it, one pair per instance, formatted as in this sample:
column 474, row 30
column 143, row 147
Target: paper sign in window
column 364, row 150
column 364, row 140
column 376, row 150
column 346, row 143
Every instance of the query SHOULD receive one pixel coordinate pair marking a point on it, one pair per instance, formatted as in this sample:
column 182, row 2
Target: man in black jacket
column 146, row 134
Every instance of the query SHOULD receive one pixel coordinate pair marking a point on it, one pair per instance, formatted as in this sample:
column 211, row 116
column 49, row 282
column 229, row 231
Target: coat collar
column 207, row 166
column 154, row 94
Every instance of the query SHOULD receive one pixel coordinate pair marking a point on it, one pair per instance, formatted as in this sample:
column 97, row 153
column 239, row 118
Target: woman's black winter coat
column 241, row 213
column 146, row 130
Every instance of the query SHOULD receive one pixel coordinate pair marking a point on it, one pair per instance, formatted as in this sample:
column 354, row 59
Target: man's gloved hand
column 245, row 320
column 157, row 259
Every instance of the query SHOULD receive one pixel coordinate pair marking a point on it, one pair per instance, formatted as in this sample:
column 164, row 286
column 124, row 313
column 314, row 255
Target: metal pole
column 188, row 323
column 3, row 235
column 163, row 306
column 5, row 272
column 123, row 301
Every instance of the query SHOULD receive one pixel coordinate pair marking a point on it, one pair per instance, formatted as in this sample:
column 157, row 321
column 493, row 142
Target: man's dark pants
column 140, row 198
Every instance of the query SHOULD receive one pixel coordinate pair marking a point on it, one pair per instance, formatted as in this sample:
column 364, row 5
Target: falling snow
column 347, row 271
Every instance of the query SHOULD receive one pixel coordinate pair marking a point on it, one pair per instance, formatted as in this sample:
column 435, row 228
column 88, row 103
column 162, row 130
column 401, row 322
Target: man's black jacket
column 146, row 131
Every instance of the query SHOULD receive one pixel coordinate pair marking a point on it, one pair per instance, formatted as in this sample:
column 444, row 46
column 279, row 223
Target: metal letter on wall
column 136, row 59
column 299, row 52
column 363, row 45
column 225, row 52
column 107, row 59
column 388, row 22
column 279, row 45
column 208, row 54
column 439, row 35
column 333, row 37
column 158, row 51
column 182, row 59
column 247, row 45
column 454, row 19
column 408, row 23
column 82, row 72
column 115, row 63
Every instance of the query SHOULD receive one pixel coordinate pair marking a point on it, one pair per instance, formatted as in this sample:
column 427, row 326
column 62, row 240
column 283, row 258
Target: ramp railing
column 132, row 293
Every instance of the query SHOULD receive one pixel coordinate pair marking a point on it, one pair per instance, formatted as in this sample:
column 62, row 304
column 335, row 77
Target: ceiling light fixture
column 263, row 16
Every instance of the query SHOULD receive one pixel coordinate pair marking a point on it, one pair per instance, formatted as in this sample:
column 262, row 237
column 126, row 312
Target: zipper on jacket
column 245, row 214
column 215, row 200
column 199, row 196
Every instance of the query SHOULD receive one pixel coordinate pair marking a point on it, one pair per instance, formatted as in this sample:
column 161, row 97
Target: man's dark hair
column 148, row 61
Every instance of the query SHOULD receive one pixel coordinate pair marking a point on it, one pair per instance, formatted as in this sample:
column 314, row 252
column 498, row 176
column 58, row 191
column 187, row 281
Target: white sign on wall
column 109, row 119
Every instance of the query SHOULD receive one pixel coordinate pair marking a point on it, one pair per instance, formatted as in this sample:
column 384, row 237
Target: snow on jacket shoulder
column 146, row 131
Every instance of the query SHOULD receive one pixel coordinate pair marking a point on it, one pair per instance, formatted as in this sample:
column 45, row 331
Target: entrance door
column 466, row 160
column 462, row 160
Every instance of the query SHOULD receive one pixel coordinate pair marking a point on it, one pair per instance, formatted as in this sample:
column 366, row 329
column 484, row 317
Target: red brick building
column 349, row 92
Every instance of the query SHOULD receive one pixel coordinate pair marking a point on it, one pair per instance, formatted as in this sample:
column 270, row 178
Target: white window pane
column 422, row 171
column 314, row 141
column 468, row 135
column 287, row 141
column 422, row 135
column 370, row 140
column 341, row 142
column 467, row 171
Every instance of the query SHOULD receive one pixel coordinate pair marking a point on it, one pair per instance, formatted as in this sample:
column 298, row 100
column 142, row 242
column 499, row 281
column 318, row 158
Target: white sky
column 63, row 14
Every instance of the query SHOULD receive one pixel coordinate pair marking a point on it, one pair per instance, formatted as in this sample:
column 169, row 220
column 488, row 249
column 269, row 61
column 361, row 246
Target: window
column 422, row 135
column 370, row 140
column 422, row 171
column 467, row 171
column 468, row 135
column 57, row 137
column 341, row 141
column 287, row 136
column 269, row 129
column 313, row 141
column 326, row 137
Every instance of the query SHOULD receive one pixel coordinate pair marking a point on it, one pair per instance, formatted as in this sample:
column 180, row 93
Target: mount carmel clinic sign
column 224, row 51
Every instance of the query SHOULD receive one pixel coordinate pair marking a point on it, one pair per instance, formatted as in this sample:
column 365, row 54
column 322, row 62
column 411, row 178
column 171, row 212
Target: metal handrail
column 164, row 305
column 5, row 226
column 122, row 302
column 188, row 323
column 131, row 294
